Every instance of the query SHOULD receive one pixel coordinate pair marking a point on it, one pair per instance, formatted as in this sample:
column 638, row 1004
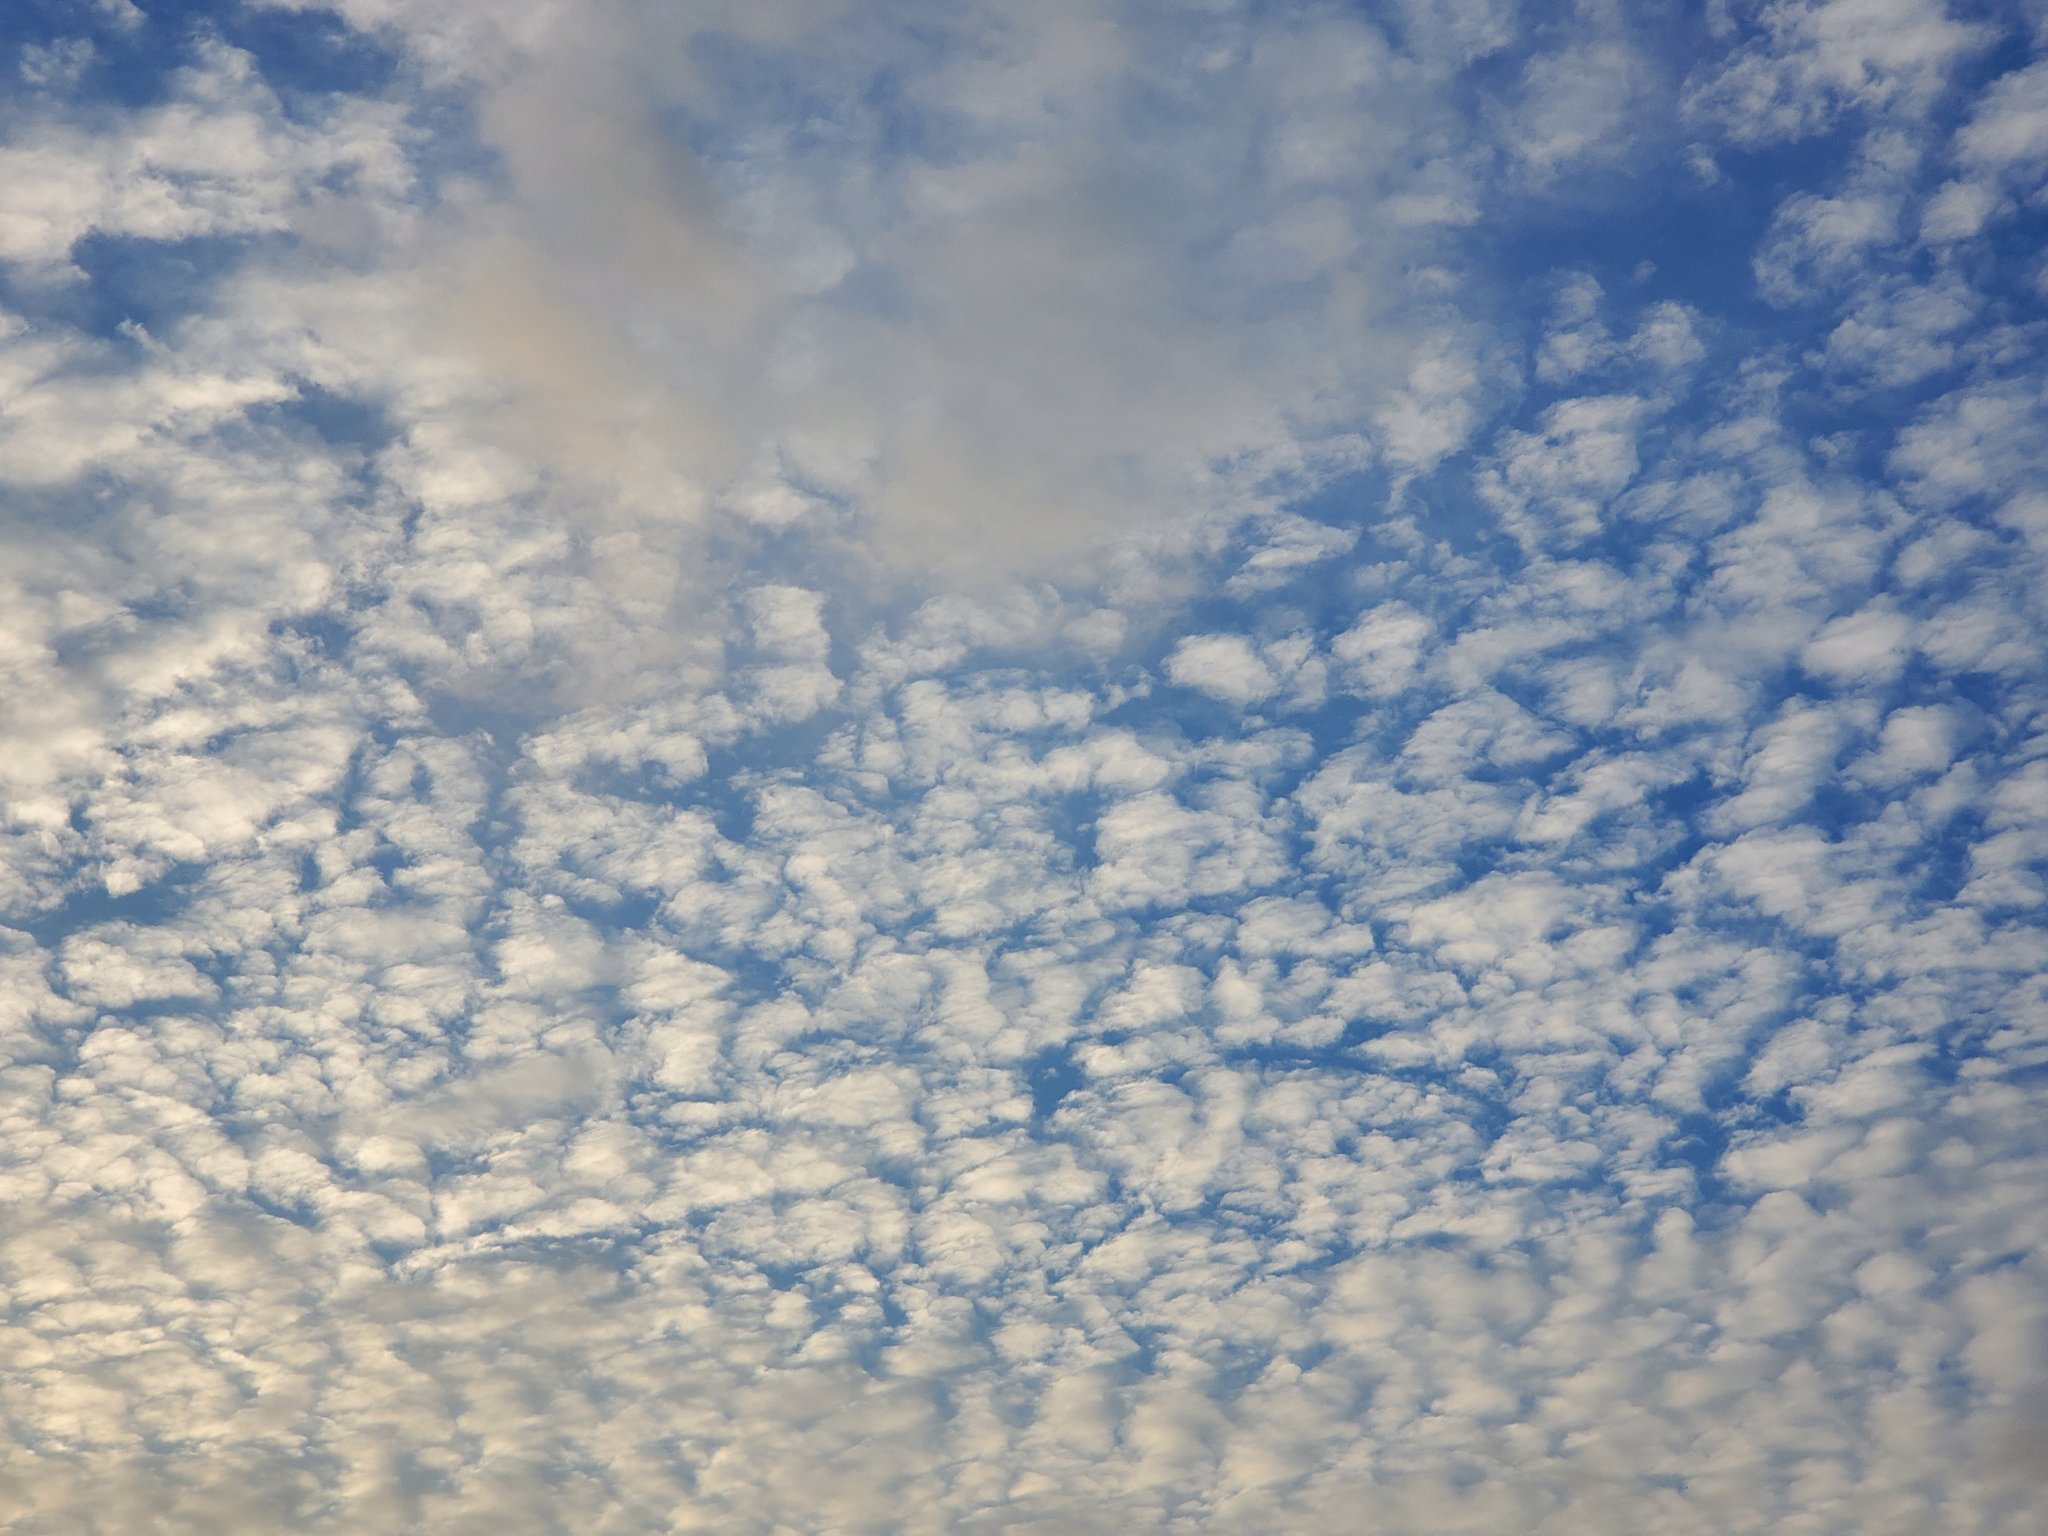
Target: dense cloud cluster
column 1218, row 767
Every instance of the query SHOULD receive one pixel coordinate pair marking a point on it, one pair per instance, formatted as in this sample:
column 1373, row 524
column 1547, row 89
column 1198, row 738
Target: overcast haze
column 1097, row 766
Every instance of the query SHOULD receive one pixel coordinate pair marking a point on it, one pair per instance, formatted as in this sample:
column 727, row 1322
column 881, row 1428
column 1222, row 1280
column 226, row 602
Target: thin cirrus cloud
column 888, row 768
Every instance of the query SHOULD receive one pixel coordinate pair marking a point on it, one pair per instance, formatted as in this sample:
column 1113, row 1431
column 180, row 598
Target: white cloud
column 1384, row 648
column 220, row 157
column 1918, row 739
column 1804, row 62
column 1576, row 101
column 1562, row 476
column 1225, row 667
column 2008, row 130
column 1873, row 643
column 1975, row 441
column 1816, row 240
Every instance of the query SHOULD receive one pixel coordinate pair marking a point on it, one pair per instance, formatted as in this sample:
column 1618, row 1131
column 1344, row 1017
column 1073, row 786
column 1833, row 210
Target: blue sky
column 1211, row 766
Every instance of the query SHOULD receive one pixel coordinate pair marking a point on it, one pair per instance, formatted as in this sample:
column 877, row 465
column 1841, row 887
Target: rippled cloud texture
column 1115, row 765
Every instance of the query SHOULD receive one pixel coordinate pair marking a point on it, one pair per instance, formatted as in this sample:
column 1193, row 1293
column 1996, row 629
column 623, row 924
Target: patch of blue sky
column 126, row 282
column 304, row 53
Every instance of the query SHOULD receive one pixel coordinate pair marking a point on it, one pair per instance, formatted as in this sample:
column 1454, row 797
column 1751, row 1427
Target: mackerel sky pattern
column 1225, row 766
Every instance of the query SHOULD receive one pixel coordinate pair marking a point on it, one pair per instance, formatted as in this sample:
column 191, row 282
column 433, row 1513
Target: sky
column 820, row 766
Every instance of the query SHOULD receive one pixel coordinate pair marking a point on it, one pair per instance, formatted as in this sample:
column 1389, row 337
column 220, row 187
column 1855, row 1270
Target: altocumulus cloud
column 1117, row 765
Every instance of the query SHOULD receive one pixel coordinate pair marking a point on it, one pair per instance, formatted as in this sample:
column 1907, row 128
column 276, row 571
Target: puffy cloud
column 1804, row 62
column 1223, row 666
